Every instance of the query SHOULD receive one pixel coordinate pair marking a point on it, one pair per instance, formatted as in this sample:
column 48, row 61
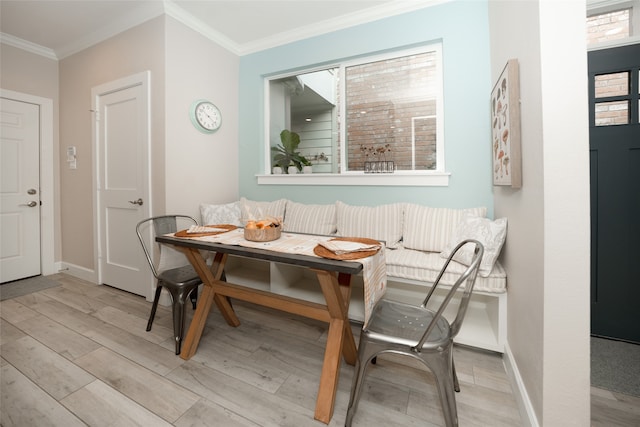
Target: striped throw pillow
column 429, row 229
column 312, row 219
column 382, row 222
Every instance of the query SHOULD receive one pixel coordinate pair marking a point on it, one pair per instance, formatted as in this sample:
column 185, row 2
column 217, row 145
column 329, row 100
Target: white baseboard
column 79, row 272
column 91, row 276
column 527, row 413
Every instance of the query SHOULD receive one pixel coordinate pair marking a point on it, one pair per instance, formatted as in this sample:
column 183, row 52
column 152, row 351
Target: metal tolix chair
column 421, row 333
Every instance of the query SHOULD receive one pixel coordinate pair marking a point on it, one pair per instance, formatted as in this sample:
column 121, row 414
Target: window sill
column 430, row 179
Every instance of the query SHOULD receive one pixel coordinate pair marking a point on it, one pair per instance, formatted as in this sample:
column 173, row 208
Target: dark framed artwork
column 505, row 127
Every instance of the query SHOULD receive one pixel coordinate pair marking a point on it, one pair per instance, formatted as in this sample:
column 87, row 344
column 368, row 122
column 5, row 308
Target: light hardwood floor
column 79, row 354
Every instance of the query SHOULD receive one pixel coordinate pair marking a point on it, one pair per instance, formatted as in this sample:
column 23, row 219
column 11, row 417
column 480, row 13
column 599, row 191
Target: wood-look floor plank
column 263, row 408
column 26, row 404
column 99, row 405
column 290, row 324
column 57, row 337
column 500, row 405
column 371, row 414
column 134, row 324
column 131, row 346
column 13, row 311
column 77, row 300
column 132, row 304
column 141, row 385
column 29, row 300
column 491, row 378
column 50, row 371
column 262, row 375
column 67, row 316
column 206, row 414
column 609, row 409
column 8, row 332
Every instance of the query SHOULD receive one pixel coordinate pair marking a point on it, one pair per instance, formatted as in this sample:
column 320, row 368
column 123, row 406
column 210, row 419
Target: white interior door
column 122, row 148
column 19, row 190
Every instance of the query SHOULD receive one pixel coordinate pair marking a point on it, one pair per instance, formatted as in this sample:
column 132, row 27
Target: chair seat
column 185, row 275
column 404, row 324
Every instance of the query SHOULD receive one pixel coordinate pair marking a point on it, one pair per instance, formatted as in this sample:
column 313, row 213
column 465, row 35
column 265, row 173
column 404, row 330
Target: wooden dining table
column 334, row 279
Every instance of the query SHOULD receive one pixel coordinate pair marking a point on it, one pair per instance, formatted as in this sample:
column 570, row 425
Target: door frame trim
column 143, row 79
column 48, row 160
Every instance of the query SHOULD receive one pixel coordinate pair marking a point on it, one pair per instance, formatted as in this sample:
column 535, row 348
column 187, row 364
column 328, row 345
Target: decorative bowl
column 265, row 234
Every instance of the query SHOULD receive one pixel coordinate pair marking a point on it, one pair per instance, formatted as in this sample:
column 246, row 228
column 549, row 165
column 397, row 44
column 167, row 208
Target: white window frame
column 437, row 177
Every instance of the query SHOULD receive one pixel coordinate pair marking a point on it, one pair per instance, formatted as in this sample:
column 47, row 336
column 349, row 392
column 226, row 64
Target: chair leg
column 358, row 379
column 178, row 320
column 456, row 384
column 194, row 297
column 441, row 366
column 179, row 297
column 355, row 394
column 154, row 306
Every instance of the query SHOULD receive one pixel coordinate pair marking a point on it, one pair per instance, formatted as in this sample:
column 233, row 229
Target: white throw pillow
column 382, row 222
column 312, row 219
column 220, row 214
column 491, row 234
column 429, row 229
column 254, row 210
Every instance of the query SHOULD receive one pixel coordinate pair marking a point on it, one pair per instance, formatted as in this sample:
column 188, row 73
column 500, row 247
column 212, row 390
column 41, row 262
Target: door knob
column 31, row 204
column 31, row 191
column 136, row 202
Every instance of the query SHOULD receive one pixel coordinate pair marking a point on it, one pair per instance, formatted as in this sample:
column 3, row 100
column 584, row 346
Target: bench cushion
column 425, row 266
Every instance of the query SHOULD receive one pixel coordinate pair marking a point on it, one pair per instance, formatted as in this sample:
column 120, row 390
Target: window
column 608, row 26
column 612, row 100
column 376, row 115
column 392, row 114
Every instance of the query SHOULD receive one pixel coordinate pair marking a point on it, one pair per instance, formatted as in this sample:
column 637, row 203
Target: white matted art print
column 505, row 127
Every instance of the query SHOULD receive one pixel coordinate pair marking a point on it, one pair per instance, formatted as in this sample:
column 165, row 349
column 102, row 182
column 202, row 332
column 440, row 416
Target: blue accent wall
column 463, row 28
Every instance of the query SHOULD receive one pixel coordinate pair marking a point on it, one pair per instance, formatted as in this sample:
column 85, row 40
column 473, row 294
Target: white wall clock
column 205, row 116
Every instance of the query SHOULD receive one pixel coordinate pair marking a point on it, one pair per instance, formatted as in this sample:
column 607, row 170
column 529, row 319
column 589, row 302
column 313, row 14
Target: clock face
column 206, row 116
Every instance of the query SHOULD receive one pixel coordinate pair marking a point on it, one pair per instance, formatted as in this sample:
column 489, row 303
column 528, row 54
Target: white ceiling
column 58, row 28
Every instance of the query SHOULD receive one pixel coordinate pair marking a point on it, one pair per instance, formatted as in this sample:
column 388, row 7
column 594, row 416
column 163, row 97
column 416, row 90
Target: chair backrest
column 468, row 278
column 166, row 257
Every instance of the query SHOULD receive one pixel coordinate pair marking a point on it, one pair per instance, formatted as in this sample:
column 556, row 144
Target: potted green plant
column 286, row 154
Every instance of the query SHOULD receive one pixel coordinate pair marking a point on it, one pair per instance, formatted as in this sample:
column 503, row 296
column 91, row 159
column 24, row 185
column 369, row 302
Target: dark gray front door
column 614, row 137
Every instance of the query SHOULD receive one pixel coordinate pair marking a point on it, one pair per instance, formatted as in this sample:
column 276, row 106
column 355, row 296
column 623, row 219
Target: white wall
column 187, row 167
column 566, row 355
column 199, row 167
column 547, row 253
column 128, row 53
column 514, row 34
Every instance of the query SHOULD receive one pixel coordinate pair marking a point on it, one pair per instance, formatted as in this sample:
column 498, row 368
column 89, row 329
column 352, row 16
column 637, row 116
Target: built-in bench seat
column 417, row 238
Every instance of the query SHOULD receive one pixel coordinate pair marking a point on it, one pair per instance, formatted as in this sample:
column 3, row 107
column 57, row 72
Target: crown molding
column 151, row 10
column 356, row 18
column 179, row 14
column 144, row 13
column 334, row 24
column 19, row 43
